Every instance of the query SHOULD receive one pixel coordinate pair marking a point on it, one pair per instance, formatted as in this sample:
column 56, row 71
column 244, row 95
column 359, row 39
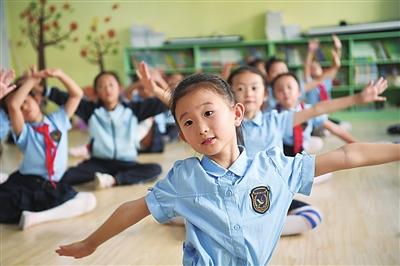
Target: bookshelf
column 364, row 57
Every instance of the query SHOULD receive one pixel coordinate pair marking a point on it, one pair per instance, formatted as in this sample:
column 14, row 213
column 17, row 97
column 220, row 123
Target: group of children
column 253, row 159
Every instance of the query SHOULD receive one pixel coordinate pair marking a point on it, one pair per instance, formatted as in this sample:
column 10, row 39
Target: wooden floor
column 360, row 218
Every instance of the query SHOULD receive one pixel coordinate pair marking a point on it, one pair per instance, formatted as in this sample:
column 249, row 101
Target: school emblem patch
column 260, row 199
column 56, row 135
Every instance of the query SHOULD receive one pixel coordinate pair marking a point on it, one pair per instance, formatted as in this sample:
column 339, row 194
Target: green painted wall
column 181, row 19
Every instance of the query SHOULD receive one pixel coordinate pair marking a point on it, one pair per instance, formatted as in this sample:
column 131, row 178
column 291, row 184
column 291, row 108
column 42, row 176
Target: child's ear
column 239, row 113
column 182, row 137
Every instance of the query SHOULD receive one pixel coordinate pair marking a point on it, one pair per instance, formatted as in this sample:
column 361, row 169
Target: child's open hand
column 77, row 250
column 313, row 45
column 337, row 42
column 5, row 80
column 145, row 78
column 371, row 92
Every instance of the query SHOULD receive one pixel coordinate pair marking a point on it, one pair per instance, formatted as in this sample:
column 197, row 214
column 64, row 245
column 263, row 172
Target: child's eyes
column 254, row 88
column 188, row 123
column 208, row 113
column 240, row 89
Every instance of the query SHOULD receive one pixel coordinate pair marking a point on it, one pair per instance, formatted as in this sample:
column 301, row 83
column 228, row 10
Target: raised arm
column 123, row 217
column 128, row 91
column 369, row 94
column 149, row 84
column 15, row 101
column 5, row 81
column 313, row 46
column 74, row 91
column 330, row 73
column 338, row 45
column 356, row 155
column 226, row 70
column 339, row 131
column 158, row 78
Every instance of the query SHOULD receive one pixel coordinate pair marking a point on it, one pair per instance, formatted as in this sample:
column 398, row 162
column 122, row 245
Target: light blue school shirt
column 271, row 102
column 266, row 130
column 31, row 144
column 317, row 121
column 163, row 120
column 4, row 124
column 222, row 227
column 314, row 96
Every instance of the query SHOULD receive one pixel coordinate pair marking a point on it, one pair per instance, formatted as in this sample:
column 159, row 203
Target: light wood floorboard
column 360, row 218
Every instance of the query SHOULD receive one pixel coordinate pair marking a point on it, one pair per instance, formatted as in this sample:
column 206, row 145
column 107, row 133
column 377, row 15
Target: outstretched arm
column 356, row 155
column 123, row 217
column 339, row 131
column 5, row 81
column 369, row 94
column 149, row 84
column 74, row 91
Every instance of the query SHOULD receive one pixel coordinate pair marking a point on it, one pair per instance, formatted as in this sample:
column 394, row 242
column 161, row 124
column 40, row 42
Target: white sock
column 301, row 220
column 313, row 145
column 82, row 203
column 3, row 177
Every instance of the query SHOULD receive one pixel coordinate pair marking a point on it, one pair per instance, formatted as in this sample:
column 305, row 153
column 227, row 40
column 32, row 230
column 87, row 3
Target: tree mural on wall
column 43, row 28
column 99, row 44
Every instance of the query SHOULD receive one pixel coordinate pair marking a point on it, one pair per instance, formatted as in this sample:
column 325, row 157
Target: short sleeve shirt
column 314, row 95
column 4, row 124
column 266, row 130
column 317, row 122
column 31, row 144
column 225, row 225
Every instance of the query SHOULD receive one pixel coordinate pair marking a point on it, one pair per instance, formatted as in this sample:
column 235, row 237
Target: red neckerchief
column 323, row 95
column 297, row 133
column 51, row 150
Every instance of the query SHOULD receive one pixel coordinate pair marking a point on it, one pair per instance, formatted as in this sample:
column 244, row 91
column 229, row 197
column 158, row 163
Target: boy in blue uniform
column 34, row 193
column 235, row 206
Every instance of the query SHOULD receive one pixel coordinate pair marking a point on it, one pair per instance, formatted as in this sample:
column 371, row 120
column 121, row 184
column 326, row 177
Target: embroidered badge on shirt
column 260, row 199
column 56, row 135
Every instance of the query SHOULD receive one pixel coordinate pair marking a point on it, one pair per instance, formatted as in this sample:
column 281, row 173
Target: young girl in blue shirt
column 235, row 206
column 34, row 194
column 287, row 93
column 263, row 130
column 114, row 142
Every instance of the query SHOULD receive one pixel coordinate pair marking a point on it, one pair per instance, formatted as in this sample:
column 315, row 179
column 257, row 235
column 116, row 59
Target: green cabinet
column 364, row 57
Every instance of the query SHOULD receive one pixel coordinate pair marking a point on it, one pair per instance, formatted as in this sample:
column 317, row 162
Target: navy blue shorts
column 30, row 193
